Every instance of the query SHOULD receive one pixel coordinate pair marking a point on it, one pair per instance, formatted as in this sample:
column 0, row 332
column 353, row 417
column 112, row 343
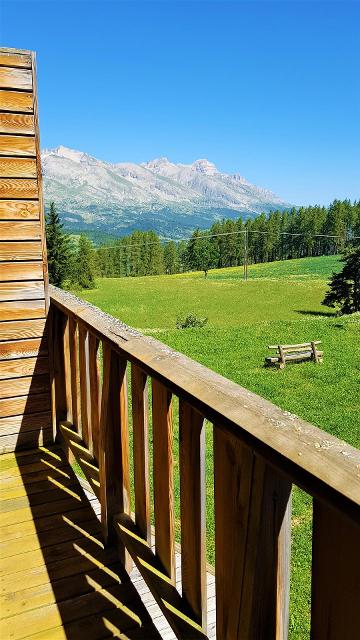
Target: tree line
column 280, row 235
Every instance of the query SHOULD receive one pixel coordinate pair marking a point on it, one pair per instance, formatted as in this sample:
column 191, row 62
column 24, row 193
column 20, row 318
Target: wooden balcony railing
column 259, row 452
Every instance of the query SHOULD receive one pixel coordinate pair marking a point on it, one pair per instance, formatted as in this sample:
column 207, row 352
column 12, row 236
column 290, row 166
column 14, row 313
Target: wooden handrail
column 318, row 462
column 259, row 452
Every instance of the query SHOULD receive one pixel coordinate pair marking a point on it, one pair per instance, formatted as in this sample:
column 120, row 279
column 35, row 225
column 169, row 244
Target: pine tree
column 345, row 286
column 171, row 262
column 57, row 247
column 83, row 272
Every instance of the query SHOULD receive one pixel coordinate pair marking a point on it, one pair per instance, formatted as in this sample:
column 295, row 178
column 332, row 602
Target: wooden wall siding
column 25, row 419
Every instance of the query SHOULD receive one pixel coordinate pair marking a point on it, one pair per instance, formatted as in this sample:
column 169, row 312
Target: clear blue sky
column 267, row 89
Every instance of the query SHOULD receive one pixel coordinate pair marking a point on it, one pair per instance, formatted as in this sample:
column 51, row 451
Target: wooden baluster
column 67, row 368
column 53, row 347
column 60, row 400
column 139, row 394
column 252, row 541
column 162, row 424
column 94, row 401
column 74, row 373
column 114, row 447
column 335, row 606
column 192, row 503
column 84, row 384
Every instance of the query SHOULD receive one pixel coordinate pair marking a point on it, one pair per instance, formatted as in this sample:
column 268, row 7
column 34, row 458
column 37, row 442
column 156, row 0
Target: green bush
column 191, row 321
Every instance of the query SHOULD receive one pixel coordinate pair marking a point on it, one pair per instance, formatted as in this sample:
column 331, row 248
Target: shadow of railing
column 59, row 574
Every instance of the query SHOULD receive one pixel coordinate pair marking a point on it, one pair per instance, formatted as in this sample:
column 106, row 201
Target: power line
column 229, row 233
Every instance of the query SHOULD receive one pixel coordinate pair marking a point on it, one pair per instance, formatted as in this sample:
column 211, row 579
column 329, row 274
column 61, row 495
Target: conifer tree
column 345, row 286
column 171, row 262
column 57, row 247
column 83, row 272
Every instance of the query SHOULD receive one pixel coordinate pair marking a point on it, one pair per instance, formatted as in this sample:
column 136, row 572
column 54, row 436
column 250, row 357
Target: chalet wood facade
column 65, row 571
column 24, row 302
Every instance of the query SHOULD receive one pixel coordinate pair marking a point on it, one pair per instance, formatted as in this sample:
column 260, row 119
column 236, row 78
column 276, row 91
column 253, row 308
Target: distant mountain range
column 172, row 199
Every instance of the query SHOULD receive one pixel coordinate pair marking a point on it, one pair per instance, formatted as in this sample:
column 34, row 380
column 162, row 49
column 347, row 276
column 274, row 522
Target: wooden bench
column 294, row 353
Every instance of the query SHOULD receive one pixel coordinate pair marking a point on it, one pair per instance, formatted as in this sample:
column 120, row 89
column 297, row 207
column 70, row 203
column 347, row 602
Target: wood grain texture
column 192, row 509
column 163, row 477
column 94, row 392
column 251, row 515
column 114, row 446
column 74, row 373
column 17, row 167
column 14, row 78
column 31, row 290
column 84, row 387
column 30, row 347
column 16, row 101
column 328, row 472
column 20, row 251
column 19, row 209
column 18, row 188
column 17, row 145
column 24, row 386
column 57, row 324
column 22, row 310
column 40, row 185
column 15, row 271
column 15, row 60
column 23, row 367
column 165, row 593
column 26, row 439
column 14, row 330
column 81, row 454
column 18, row 123
column 335, row 600
column 17, row 406
column 140, row 402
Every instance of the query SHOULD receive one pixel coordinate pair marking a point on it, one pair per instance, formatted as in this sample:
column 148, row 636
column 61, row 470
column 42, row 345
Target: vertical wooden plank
column 162, row 424
column 265, row 606
column 252, row 536
column 139, row 395
column 51, row 324
column 83, row 342
column 335, row 606
column 74, row 373
column 192, row 506
column 114, row 446
column 94, row 391
column 58, row 326
column 232, row 483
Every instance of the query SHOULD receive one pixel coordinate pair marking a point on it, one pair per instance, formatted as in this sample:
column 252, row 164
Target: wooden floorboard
column 57, row 582
column 56, row 579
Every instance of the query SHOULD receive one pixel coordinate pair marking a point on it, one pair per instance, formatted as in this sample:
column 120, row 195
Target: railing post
column 335, row 602
column 192, row 503
column 252, row 527
column 114, row 446
column 163, row 477
column 139, row 396
column 84, row 391
column 94, row 392
column 74, row 373
column 59, row 387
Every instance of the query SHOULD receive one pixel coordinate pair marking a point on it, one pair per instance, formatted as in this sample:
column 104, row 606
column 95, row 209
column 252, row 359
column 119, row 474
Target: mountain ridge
column 170, row 198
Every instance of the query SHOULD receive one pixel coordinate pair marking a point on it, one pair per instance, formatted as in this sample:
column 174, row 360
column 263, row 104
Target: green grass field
column 280, row 303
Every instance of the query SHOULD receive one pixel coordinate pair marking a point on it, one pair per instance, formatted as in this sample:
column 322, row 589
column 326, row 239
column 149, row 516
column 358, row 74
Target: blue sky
column 267, row 89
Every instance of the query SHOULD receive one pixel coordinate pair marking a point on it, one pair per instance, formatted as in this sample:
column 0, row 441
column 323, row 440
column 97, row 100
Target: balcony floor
column 57, row 580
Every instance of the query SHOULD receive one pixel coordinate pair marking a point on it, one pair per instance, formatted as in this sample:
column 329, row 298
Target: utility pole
column 246, row 238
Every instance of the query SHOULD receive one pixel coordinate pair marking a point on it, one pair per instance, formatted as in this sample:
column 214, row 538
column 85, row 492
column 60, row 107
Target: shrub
column 191, row 321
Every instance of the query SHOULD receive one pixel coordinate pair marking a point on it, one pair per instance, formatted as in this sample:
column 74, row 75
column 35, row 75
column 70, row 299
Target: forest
column 281, row 235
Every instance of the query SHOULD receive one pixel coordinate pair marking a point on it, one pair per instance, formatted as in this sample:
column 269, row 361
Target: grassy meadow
column 280, row 303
